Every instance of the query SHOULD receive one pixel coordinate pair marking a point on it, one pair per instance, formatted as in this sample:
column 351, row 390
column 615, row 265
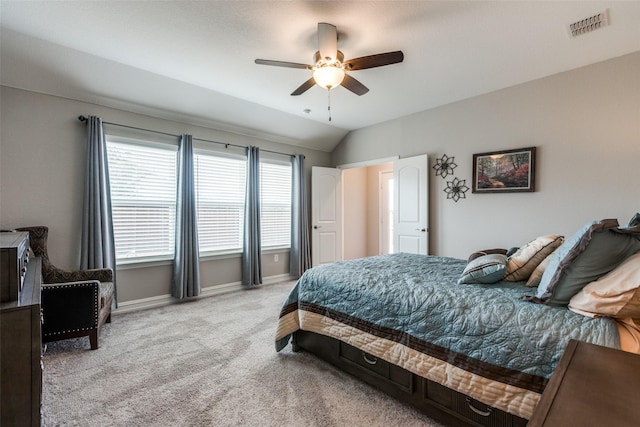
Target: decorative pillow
column 534, row 279
column 635, row 221
column 593, row 251
column 478, row 254
column 512, row 251
column 616, row 294
column 521, row 264
column 485, row 269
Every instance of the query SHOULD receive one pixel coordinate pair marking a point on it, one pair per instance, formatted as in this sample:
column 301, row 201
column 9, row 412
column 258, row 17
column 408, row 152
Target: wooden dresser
column 592, row 386
column 20, row 338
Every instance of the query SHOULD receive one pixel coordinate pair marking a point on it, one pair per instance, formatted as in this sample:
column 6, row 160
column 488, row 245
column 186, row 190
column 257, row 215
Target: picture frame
column 504, row 171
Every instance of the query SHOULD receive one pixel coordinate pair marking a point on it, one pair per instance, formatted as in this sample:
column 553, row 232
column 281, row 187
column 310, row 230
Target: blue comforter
column 415, row 301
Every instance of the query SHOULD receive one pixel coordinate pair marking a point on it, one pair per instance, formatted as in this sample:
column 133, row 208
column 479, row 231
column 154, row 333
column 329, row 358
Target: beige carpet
column 209, row 362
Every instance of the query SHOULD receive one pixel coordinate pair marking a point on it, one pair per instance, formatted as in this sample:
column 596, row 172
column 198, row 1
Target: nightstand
column 592, row 386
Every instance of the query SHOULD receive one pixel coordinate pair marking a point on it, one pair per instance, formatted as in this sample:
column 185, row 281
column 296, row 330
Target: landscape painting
column 504, row 171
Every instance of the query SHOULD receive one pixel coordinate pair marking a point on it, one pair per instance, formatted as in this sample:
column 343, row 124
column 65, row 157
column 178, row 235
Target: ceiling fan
column 329, row 67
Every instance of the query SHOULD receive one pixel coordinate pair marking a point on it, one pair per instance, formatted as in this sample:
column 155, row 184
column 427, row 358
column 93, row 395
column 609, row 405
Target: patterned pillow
column 593, row 251
column 521, row 264
column 616, row 294
column 485, row 269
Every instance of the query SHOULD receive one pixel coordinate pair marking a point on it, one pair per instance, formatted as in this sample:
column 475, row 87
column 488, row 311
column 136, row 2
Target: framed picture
column 505, row 171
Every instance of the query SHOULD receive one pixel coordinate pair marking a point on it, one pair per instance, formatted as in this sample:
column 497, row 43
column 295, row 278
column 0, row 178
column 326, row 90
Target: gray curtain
column 300, row 258
column 97, row 248
column 186, row 264
column 251, row 252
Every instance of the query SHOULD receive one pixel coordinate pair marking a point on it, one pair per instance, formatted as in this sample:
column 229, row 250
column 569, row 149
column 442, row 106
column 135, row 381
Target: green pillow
column 485, row 269
column 593, row 251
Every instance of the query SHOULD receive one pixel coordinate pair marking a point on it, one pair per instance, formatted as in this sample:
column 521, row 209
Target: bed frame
column 438, row 402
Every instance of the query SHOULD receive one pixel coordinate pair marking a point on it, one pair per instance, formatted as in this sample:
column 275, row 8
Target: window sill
column 142, row 263
column 151, row 262
column 276, row 250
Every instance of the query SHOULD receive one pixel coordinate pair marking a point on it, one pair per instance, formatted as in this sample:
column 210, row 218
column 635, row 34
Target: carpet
column 207, row 362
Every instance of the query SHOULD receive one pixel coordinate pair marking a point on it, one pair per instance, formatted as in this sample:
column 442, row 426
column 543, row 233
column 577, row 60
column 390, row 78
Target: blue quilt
column 415, row 301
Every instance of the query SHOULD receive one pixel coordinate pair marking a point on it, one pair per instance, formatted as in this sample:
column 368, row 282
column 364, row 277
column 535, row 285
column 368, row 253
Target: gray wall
column 42, row 157
column 585, row 124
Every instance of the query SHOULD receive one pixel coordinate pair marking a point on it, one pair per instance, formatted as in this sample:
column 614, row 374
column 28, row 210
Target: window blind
column 220, row 190
column 275, row 199
column 143, row 196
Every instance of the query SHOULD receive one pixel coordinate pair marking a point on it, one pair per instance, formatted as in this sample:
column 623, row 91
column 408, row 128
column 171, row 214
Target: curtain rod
column 226, row 144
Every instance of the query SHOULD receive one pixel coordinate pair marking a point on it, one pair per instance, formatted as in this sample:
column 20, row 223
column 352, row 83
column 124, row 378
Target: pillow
column 616, row 294
column 534, row 279
column 521, row 264
column 635, row 221
column 485, row 269
column 512, row 251
column 593, row 251
column 478, row 254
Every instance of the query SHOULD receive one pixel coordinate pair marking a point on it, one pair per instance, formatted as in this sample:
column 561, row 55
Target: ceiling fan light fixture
column 330, row 67
column 328, row 76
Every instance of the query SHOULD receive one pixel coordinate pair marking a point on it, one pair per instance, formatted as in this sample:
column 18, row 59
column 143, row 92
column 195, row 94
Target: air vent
column 589, row 24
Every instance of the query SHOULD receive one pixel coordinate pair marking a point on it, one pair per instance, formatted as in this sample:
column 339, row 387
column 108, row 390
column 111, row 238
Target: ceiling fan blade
column 304, row 87
column 327, row 41
column 283, row 64
column 354, row 85
column 372, row 61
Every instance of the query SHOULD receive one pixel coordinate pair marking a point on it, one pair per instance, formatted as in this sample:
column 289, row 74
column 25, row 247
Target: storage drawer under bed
column 443, row 404
column 469, row 408
column 392, row 373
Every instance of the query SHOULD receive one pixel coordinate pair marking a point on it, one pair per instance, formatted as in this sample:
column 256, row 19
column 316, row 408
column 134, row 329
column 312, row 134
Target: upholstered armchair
column 74, row 303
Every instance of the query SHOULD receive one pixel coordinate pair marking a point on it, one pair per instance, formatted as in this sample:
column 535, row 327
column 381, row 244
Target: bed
column 466, row 354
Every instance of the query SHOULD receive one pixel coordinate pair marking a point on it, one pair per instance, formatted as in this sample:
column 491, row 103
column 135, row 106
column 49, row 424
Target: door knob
column 315, row 227
column 421, row 229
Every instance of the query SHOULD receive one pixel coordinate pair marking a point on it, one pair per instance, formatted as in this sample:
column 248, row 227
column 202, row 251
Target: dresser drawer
column 393, row 374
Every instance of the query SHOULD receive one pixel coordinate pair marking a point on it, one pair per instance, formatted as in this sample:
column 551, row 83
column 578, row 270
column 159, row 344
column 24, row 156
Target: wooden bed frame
column 437, row 401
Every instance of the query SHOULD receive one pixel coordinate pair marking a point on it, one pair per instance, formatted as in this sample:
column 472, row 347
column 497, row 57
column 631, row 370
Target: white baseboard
column 162, row 300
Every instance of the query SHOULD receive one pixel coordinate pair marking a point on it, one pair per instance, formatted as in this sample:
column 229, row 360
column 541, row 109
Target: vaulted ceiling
column 194, row 60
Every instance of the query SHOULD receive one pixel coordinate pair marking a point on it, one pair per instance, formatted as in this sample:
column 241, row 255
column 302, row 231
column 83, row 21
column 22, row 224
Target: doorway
column 351, row 214
column 386, row 212
column 367, row 210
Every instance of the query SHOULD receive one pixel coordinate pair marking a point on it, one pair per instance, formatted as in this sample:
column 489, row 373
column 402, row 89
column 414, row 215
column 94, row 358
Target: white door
column 386, row 212
column 410, row 178
column 326, row 215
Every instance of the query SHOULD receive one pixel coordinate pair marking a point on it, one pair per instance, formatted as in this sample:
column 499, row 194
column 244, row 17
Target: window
column 143, row 196
column 275, row 200
column 220, row 189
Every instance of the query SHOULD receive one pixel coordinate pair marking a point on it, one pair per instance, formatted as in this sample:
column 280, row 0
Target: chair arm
column 57, row 275
column 70, row 307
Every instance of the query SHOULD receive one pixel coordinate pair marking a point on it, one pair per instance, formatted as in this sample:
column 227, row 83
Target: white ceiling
column 194, row 60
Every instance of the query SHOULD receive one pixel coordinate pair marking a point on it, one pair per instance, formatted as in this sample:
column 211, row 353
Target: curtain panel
column 186, row 264
column 300, row 258
column 97, row 249
column 252, row 251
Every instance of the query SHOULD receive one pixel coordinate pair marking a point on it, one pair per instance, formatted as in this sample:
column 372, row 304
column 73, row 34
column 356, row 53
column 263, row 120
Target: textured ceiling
column 193, row 60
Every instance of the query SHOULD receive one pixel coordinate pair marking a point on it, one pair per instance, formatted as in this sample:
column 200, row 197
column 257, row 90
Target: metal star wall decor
column 444, row 166
column 456, row 189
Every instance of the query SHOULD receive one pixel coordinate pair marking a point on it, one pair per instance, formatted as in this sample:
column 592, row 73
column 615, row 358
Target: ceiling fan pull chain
column 329, row 102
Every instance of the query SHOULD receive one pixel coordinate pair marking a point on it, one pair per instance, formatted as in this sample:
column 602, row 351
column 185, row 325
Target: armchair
column 74, row 303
